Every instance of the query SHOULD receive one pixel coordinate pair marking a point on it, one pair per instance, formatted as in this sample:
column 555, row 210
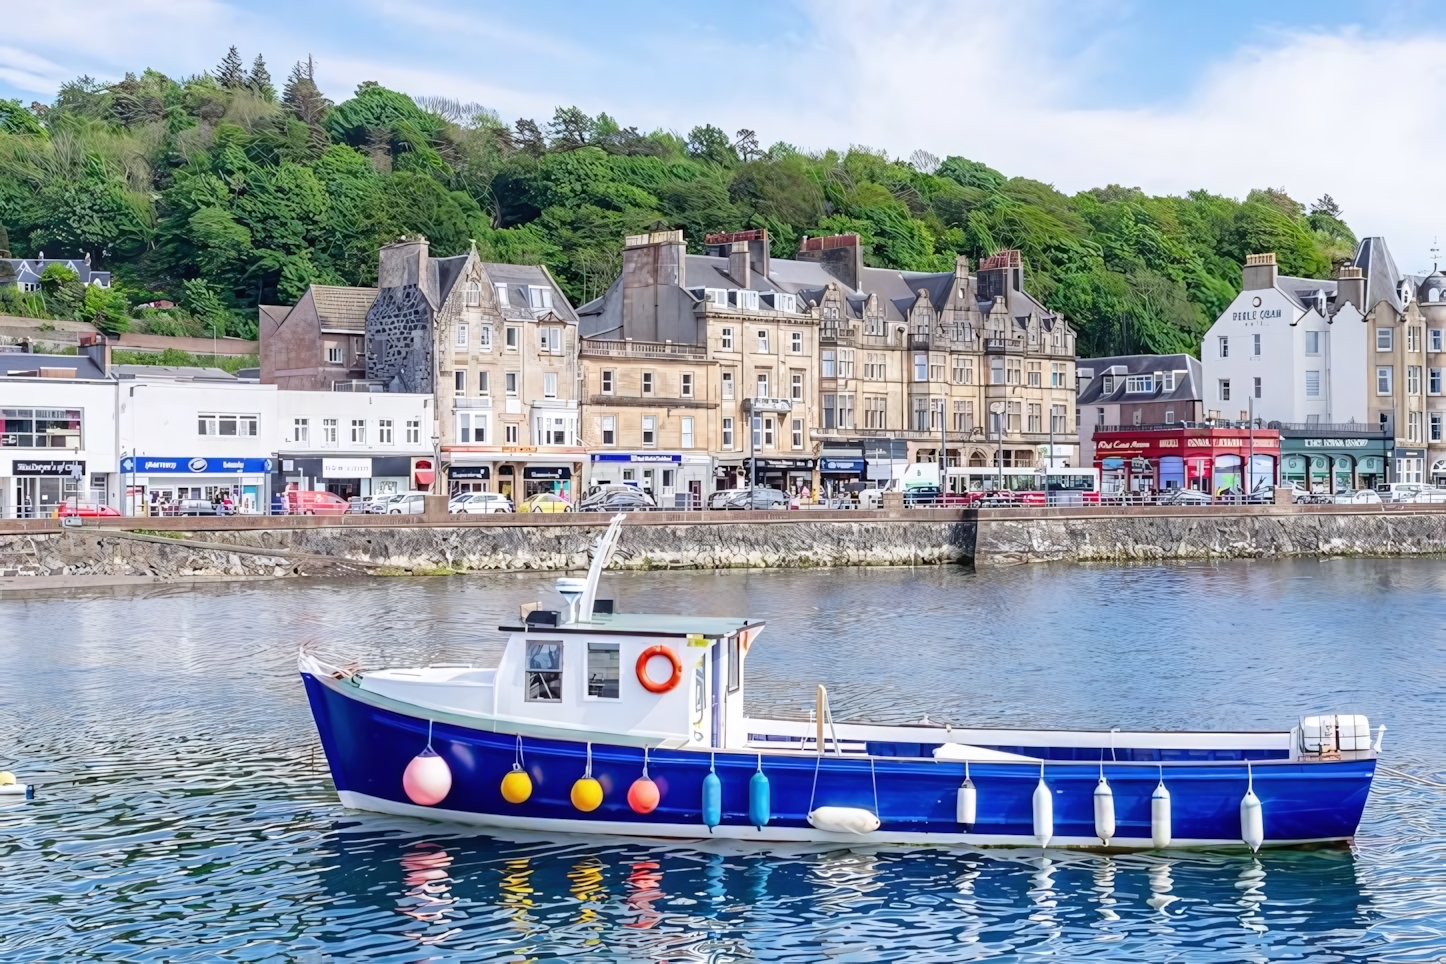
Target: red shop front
column 1212, row 460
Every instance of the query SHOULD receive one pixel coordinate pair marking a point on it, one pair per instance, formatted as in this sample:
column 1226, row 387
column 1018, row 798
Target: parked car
column 85, row 510
column 1401, row 491
column 923, row 496
column 756, row 498
column 194, row 507
column 545, row 502
column 407, row 503
column 617, row 498
column 1357, row 497
column 480, row 503
column 873, row 496
column 1185, row 497
column 314, row 502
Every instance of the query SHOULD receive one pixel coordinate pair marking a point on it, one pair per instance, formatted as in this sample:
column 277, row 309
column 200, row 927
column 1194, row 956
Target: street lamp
column 752, row 407
column 436, row 464
column 996, row 410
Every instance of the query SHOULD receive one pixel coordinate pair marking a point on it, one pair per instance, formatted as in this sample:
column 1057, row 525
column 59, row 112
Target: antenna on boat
column 602, row 552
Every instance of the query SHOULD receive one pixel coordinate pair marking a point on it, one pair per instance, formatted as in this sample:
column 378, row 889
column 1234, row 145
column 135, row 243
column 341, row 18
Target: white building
column 58, row 433
column 1270, row 352
column 355, row 444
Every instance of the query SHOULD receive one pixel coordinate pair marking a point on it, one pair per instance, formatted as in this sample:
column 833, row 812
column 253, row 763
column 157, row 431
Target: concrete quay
column 34, row 553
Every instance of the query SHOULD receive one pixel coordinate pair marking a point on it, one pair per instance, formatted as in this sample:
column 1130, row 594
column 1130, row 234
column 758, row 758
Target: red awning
column 424, row 476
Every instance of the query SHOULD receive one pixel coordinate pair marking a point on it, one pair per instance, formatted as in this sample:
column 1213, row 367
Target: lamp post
column 436, row 464
column 943, row 449
column 996, row 411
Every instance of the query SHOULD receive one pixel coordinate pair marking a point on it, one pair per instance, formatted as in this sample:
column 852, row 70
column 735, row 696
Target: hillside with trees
column 226, row 189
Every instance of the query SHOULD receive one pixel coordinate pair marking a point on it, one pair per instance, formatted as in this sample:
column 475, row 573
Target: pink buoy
column 427, row 779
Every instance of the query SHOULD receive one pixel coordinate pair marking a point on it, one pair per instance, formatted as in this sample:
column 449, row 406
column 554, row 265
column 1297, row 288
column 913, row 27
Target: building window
column 875, row 411
column 1413, row 338
column 921, row 413
column 334, row 355
column 471, row 427
column 206, row 424
column 414, row 431
column 608, row 377
column 1255, row 344
column 1167, row 382
column 1383, row 379
column 1140, row 383
column 921, row 367
column 1312, row 343
column 1435, row 426
column 768, row 438
column 1433, row 382
column 846, row 411
column 609, row 430
column 461, row 336
column 796, row 435
column 484, row 384
column 762, row 386
column 725, row 339
column 328, row 431
column 756, row 423
column 828, row 363
column 763, row 341
column 650, row 431
column 1413, row 427
column 510, row 432
column 474, row 294
column 686, row 432
column 358, row 431
column 1383, row 339
column 728, row 434
column 727, row 384
column 685, row 384
column 1257, row 386
column 845, row 363
column 1224, row 342
column 796, row 386
column 1057, row 374
column 963, row 416
column 1036, row 418
column 484, row 337
column 544, row 672
column 795, row 342
column 604, row 670
column 830, row 406
column 513, row 338
column 647, row 383
column 1059, row 419
column 503, row 301
column 549, row 384
column 1435, row 339
column 384, row 431
column 459, row 383
column 1012, row 371
column 1034, row 377
column 1413, row 379
column 1225, row 389
column 539, row 297
column 1312, row 384
column 1107, row 384
column 549, row 341
column 301, row 431
column 510, row 384
column 1014, row 413
column 996, row 371
column 957, row 366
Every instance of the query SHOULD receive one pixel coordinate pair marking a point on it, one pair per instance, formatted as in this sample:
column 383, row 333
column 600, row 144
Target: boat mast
column 602, row 552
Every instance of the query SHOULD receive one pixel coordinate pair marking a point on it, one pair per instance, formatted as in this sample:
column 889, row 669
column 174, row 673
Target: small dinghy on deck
column 602, row 722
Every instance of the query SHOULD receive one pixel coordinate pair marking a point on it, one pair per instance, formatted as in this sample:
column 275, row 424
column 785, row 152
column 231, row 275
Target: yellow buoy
column 516, row 785
column 7, row 779
column 587, row 794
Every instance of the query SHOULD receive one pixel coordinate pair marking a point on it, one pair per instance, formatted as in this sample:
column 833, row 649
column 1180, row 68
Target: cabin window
column 700, row 695
column 544, row 672
column 603, row 671
column 735, row 664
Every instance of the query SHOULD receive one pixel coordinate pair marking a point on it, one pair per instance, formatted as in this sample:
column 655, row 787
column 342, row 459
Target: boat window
column 700, row 693
column 544, row 672
column 603, row 670
column 735, row 664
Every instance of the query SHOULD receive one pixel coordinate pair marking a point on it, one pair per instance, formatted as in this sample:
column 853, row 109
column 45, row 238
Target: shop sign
column 346, row 468
column 469, row 472
column 841, row 466
column 70, row 468
column 634, row 457
column 157, row 465
column 790, row 464
column 546, row 473
column 1335, row 443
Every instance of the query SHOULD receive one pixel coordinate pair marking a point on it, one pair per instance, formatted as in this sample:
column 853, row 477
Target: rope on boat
column 816, row 762
column 1411, row 776
column 874, row 778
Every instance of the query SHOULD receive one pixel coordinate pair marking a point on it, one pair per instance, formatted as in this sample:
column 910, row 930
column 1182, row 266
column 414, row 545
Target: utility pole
column 943, row 450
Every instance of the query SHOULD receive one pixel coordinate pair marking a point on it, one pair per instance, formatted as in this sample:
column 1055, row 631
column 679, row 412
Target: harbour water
column 190, row 817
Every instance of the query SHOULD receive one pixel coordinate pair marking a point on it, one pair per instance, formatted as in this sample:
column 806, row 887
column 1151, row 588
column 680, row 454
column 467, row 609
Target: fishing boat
column 601, row 722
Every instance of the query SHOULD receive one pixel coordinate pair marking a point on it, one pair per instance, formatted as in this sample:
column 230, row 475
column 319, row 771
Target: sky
column 1323, row 97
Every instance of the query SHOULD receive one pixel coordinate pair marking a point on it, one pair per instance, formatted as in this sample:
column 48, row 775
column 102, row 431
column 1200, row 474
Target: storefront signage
column 157, row 465
column 792, row 464
column 841, row 466
column 1335, row 443
column 645, row 457
column 1259, row 314
column 546, row 473
column 346, row 468
column 33, row 467
column 469, row 472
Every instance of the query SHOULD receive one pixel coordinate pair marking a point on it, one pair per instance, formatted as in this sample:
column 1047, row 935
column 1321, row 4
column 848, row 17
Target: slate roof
column 29, row 270
column 1188, row 388
column 17, row 364
column 518, row 278
column 1382, row 277
column 341, row 309
column 1303, row 292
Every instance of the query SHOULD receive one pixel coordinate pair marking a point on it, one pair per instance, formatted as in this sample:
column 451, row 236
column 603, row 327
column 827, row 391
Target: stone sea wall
column 265, row 548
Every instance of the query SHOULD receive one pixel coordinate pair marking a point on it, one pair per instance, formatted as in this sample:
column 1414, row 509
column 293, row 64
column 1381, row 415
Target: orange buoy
column 650, row 684
column 643, row 795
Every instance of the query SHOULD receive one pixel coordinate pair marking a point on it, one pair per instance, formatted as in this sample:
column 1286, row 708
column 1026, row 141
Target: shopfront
column 1332, row 460
column 556, row 479
column 42, row 485
column 673, row 479
column 1410, row 464
column 159, row 484
column 346, row 477
column 1218, row 461
column 787, row 475
column 468, row 478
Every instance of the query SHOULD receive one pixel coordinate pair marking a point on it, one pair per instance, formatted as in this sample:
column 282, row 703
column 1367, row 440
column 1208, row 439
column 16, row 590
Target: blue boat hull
column 368, row 746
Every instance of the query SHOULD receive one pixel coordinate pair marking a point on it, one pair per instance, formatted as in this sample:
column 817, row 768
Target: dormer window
column 502, row 300
column 474, row 294
column 539, row 297
column 1136, row 384
column 1107, row 384
column 743, row 299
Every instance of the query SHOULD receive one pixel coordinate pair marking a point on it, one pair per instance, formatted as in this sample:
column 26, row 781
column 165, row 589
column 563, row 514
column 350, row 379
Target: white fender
column 1252, row 815
column 966, row 804
column 1104, row 811
column 843, row 820
column 1043, row 811
column 1160, row 816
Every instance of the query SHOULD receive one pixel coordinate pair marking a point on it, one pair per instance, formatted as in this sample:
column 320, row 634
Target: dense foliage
column 218, row 192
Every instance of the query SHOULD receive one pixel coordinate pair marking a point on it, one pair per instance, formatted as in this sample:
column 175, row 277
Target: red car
column 309, row 502
column 84, row 510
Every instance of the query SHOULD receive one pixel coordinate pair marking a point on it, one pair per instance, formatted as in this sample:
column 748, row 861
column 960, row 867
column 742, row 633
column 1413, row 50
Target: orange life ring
column 651, row 685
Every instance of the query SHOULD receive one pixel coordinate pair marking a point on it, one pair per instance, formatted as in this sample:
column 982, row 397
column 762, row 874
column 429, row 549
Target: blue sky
column 1326, row 96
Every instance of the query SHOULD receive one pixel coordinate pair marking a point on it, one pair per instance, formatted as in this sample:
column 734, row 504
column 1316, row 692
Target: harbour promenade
column 45, row 553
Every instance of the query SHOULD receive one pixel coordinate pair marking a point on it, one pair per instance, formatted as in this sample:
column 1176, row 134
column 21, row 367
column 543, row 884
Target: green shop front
column 1327, row 459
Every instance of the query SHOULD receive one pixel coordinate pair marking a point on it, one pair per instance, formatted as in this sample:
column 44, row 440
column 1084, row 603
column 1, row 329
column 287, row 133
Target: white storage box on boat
column 1342, row 731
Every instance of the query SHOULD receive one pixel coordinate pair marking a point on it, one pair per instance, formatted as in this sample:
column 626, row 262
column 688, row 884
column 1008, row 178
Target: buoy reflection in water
column 428, row 895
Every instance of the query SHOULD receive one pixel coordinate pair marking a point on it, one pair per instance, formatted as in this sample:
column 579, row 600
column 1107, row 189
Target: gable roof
column 1188, row 388
column 1382, row 277
column 342, row 309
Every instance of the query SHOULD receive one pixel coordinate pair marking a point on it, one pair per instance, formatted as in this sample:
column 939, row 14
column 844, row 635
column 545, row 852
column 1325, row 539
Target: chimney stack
column 738, row 263
column 1259, row 271
column 839, row 255
column 401, row 263
column 1351, row 286
column 653, row 265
